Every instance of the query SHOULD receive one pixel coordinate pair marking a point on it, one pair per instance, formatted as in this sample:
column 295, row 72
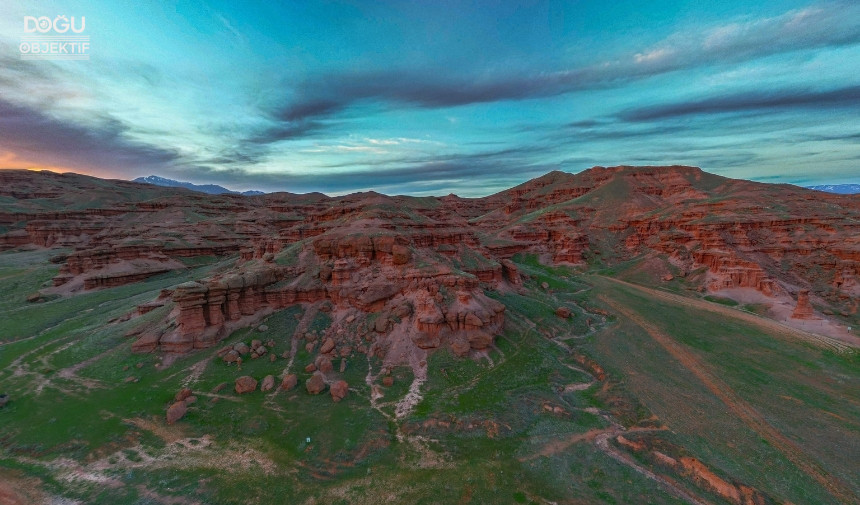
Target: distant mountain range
column 212, row 189
column 842, row 189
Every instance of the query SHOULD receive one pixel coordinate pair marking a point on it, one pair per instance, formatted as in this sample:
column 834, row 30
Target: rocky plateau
column 405, row 275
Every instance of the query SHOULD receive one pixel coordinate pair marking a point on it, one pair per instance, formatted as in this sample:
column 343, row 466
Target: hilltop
column 607, row 335
column 212, row 189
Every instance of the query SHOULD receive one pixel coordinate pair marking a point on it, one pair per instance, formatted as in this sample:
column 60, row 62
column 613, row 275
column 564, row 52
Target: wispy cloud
column 831, row 24
column 299, row 127
column 749, row 101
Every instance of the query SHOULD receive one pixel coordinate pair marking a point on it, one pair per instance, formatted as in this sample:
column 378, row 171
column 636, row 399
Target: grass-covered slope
column 536, row 421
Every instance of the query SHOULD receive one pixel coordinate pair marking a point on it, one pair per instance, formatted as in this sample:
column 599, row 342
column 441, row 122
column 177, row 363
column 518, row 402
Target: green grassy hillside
column 537, row 420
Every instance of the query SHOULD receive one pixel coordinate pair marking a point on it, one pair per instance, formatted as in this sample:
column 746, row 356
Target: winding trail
column 601, row 436
column 740, row 408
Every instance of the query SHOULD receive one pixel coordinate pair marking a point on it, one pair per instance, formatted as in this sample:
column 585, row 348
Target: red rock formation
column 316, row 384
column 803, row 309
column 176, row 411
column 245, row 384
column 120, row 279
column 416, row 269
column 289, row 382
column 729, row 271
column 339, row 390
column 511, row 272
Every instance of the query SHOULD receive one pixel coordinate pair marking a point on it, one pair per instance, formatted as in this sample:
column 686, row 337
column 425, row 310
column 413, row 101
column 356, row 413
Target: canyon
column 417, row 269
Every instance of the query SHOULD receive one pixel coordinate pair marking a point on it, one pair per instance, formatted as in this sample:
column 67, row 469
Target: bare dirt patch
column 18, row 490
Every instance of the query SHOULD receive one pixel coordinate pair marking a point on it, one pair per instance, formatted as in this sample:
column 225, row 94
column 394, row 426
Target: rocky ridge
column 404, row 273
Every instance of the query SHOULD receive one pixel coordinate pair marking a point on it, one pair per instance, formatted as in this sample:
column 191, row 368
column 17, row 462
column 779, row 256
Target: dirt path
column 557, row 446
column 71, row 372
column 762, row 322
column 740, row 408
column 304, row 323
column 196, row 370
column 602, row 442
column 600, row 437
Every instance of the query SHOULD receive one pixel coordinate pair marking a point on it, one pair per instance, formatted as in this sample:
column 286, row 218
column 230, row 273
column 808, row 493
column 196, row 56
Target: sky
column 435, row 97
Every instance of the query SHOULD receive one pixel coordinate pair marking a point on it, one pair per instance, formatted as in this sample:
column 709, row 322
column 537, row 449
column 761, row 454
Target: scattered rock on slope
column 245, row 384
column 268, row 383
column 176, row 411
column 339, row 390
column 316, row 384
column 289, row 382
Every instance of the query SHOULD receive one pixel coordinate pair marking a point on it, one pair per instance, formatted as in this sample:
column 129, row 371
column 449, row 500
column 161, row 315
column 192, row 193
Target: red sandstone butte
column 803, row 309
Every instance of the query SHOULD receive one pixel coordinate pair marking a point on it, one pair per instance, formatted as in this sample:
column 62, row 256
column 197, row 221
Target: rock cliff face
column 362, row 273
column 417, row 271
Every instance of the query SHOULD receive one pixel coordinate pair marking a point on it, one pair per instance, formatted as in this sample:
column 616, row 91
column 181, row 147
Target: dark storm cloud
column 27, row 132
column 749, row 101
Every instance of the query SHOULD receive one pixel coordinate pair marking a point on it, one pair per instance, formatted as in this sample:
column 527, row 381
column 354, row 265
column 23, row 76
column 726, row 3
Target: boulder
column 316, row 384
column 245, row 384
column 176, row 411
column 261, row 350
column 381, row 324
column 255, row 344
column 289, row 382
column 310, row 368
column 262, row 328
column 182, row 394
column 339, row 390
column 562, row 312
column 327, row 346
column 323, row 364
column 268, row 383
column 242, row 348
column 388, row 381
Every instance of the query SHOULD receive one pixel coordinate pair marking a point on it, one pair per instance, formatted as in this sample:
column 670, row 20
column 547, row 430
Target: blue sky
column 420, row 97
